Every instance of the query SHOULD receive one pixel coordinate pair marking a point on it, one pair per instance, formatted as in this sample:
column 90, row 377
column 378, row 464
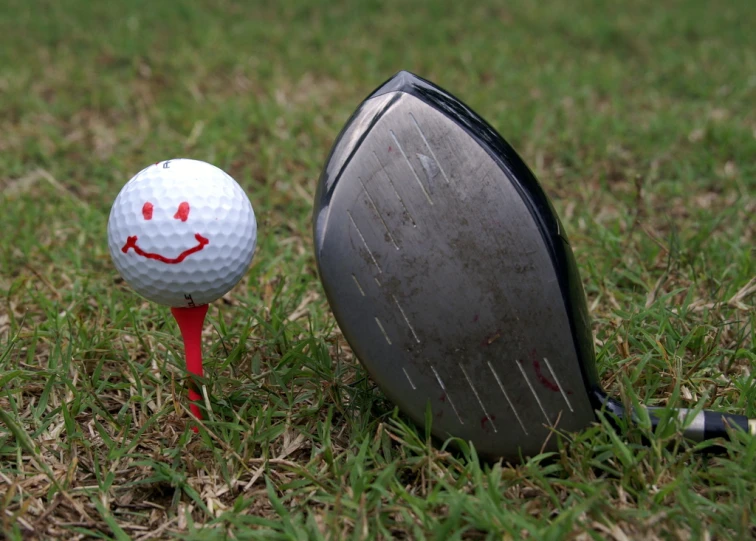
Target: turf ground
column 639, row 118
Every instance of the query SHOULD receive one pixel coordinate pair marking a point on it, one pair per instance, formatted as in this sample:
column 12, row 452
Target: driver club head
column 450, row 276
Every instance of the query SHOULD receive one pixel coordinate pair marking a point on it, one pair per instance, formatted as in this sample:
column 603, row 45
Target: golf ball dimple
column 182, row 233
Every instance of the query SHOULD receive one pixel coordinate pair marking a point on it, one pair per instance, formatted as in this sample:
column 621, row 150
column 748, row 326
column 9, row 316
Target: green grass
column 639, row 120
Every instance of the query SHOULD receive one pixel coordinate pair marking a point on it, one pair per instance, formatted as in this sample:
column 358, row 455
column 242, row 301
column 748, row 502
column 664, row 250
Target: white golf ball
column 182, row 233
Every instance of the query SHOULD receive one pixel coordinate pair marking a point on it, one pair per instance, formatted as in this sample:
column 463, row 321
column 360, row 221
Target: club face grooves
column 448, row 273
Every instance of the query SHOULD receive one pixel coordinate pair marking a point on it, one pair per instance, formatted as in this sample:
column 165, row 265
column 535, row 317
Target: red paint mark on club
column 476, row 318
column 546, row 382
column 484, row 421
column 390, row 149
column 147, row 211
column 190, row 322
column 443, row 397
column 131, row 242
column 183, row 212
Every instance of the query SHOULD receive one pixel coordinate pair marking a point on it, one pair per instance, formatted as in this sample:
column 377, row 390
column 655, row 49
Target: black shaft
column 716, row 424
column 706, row 425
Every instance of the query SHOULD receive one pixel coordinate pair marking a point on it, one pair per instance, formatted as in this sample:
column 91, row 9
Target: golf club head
column 450, row 275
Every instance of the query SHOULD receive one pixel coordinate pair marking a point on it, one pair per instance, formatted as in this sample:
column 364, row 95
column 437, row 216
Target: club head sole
column 449, row 275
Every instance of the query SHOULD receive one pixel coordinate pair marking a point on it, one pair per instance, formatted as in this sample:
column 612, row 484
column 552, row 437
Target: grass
column 638, row 119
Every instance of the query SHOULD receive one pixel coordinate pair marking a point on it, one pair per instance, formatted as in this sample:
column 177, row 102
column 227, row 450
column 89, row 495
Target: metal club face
column 448, row 273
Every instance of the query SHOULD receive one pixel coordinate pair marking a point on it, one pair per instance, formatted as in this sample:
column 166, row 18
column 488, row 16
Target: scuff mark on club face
column 450, row 276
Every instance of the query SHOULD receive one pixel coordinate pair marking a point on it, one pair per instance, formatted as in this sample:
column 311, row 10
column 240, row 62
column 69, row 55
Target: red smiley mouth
column 131, row 242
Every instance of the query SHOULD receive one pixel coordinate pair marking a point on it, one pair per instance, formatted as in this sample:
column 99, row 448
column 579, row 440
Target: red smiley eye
column 147, row 211
column 183, row 212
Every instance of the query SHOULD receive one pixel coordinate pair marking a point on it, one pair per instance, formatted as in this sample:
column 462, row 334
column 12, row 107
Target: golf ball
column 182, row 233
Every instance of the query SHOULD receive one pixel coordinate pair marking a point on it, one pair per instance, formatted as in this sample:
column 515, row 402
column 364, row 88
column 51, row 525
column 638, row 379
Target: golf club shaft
column 707, row 425
column 704, row 425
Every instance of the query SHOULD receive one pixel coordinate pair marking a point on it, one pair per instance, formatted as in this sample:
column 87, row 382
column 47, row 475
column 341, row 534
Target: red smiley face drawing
column 181, row 214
